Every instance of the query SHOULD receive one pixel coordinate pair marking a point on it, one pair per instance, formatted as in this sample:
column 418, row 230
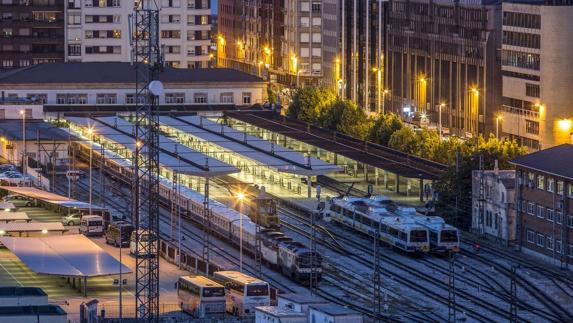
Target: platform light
column 2, row 232
column 7, row 210
column 44, row 231
column 90, row 130
column 240, row 196
column 564, row 125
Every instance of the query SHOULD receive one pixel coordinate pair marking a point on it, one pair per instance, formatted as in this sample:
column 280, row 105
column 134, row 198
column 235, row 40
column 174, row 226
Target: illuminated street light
column 240, row 196
column 44, row 231
column 497, row 120
column 564, row 125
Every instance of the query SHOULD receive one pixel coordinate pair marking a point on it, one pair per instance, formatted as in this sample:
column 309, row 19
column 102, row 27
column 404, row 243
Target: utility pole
column 451, row 288
column 144, row 38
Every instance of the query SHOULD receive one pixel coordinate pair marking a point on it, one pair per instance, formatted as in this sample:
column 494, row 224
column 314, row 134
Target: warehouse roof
column 555, row 161
column 12, row 130
column 117, row 72
column 11, row 291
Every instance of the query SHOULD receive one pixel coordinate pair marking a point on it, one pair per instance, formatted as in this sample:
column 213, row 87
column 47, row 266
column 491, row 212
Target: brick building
column 543, row 198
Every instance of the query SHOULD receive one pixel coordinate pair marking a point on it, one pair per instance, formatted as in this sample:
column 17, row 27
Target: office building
column 537, row 41
column 32, row 32
column 98, row 31
column 543, row 200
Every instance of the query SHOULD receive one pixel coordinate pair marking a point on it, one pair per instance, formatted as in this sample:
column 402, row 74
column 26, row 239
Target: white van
column 91, row 225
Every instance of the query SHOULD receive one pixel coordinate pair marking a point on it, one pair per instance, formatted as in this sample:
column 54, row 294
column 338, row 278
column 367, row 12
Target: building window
column 559, row 187
column 171, row 34
column 570, row 221
column 550, row 185
column 200, row 98
column 549, row 243
column 532, row 90
column 549, row 215
column 558, row 246
column 107, row 98
column 530, row 208
column 7, row 63
column 524, row 20
column 130, row 98
column 530, row 236
column 38, row 97
column 520, row 59
column 532, row 127
column 75, row 50
column 570, row 190
column 204, row 20
column 558, row 217
column 246, row 97
column 227, row 97
column 540, row 240
column 177, row 98
column 316, row 7
column 496, row 223
column 570, row 251
column 540, row 212
column 71, row 98
column 540, row 182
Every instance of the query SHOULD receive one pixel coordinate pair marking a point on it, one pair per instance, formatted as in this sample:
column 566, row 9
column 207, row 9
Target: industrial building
column 537, row 40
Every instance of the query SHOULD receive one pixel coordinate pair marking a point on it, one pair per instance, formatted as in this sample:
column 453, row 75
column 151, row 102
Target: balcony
column 529, row 114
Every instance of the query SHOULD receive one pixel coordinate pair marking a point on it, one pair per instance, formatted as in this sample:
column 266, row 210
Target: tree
column 384, row 127
column 347, row 118
column 405, row 140
column 310, row 103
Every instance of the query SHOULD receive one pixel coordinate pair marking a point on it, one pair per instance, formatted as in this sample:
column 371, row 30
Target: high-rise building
column 32, row 32
column 537, row 73
column 97, row 31
column 289, row 41
column 443, row 62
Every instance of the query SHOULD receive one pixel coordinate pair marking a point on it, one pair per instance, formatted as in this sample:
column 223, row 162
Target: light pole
column 240, row 198
column 441, row 106
column 90, row 133
column 384, row 93
column 497, row 120
column 24, row 149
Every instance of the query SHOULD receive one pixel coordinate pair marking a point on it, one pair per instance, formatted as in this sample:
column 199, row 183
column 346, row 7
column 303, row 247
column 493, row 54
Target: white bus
column 201, row 297
column 91, row 225
column 243, row 292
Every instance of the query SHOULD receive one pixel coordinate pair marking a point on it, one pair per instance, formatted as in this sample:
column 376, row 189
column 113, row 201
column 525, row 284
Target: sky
column 214, row 6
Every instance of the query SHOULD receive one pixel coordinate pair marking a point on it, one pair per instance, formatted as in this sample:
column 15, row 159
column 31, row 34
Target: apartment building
column 493, row 200
column 32, row 32
column 537, row 74
column 544, row 209
column 286, row 41
column 98, row 31
column 443, row 58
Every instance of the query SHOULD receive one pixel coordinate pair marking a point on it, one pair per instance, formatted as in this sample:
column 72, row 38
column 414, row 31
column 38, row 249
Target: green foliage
column 271, row 94
column 310, row 103
column 405, row 140
column 347, row 118
column 384, row 127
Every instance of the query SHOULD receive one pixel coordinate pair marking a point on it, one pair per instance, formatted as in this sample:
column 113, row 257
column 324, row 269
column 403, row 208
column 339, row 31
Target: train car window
column 433, row 236
column 449, row 236
column 403, row 236
column 418, row 236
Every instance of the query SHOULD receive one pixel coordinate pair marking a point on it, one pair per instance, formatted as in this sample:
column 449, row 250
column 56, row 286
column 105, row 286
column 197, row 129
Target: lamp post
column 90, row 133
column 24, row 149
column 441, row 106
column 497, row 120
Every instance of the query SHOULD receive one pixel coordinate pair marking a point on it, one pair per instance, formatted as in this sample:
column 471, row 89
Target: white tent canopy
column 13, row 216
column 68, row 255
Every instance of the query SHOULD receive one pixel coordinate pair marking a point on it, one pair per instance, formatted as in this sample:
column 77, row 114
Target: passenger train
column 399, row 232
column 225, row 222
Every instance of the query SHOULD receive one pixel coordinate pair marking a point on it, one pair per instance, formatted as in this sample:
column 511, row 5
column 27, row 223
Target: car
column 7, row 168
column 19, row 200
column 118, row 233
column 72, row 219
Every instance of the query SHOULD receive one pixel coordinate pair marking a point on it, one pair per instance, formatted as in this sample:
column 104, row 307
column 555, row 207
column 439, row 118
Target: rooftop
column 31, row 310
column 334, row 309
column 279, row 311
column 12, row 130
column 555, row 161
column 116, row 72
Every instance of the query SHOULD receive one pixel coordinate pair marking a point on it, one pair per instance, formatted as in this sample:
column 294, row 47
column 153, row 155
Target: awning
column 68, row 255
column 22, row 227
column 13, row 216
column 49, row 197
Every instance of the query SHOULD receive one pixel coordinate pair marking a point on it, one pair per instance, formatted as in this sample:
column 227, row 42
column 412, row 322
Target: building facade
column 443, row 58
column 493, row 199
column 543, row 199
column 90, row 87
column 98, row 31
column 537, row 109
column 32, row 32
column 288, row 41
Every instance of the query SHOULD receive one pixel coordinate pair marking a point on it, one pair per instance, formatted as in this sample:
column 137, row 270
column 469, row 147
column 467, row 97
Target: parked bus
column 243, row 292
column 91, row 225
column 201, row 297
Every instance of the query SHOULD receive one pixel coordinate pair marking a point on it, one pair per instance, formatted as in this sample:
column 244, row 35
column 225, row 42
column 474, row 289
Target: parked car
column 119, row 233
column 19, row 200
column 7, row 168
column 15, row 178
column 72, row 219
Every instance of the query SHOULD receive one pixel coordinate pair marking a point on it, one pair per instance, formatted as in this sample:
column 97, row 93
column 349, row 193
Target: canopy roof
column 265, row 152
column 68, row 255
column 13, row 216
column 31, row 227
column 49, row 197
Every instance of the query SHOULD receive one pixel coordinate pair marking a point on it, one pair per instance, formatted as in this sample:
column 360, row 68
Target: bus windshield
column 257, row 290
column 418, row 236
column 449, row 236
column 213, row 292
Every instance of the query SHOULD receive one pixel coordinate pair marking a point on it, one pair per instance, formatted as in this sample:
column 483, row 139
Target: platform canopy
column 49, row 197
column 13, row 216
column 30, row 227
column 68, row 255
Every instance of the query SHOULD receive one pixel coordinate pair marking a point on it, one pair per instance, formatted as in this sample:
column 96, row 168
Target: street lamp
column 497, row 120
column 24, row 149
column 441, row 106
column 90, row 132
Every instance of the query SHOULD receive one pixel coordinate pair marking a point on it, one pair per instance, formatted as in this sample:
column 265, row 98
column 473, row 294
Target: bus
column 201, row 297
column 243, row 292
